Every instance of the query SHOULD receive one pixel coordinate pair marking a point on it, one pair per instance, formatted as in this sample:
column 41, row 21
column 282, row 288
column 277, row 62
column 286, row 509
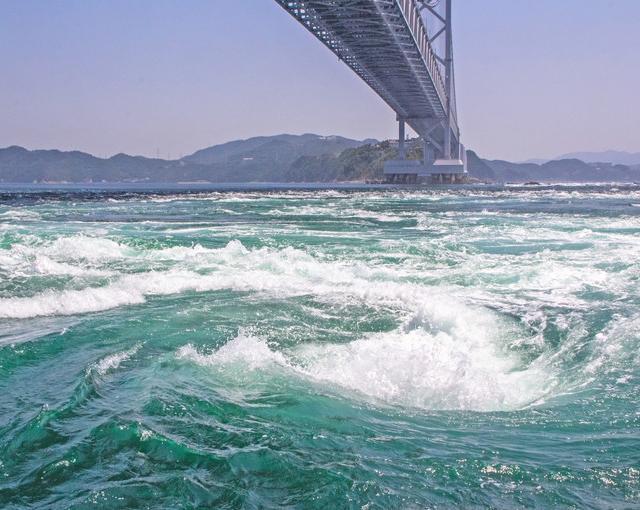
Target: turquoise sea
column 364, row 348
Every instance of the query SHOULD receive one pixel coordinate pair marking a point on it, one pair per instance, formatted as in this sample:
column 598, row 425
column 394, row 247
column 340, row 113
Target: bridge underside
column 386, row 43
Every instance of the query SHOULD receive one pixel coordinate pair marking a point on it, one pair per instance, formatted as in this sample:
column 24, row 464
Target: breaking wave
column 415, row 369
column 113, row 361
column 280, row 273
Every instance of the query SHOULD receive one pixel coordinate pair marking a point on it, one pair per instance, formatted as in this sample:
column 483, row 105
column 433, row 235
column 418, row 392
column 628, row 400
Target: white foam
column 446, row 355
column 333, row 209
column 286, row 272
column 551, row 277
column 44, row 265
column 615, row 347
column 86, row 248
column 113, row 361
column 20, row 214
column 419, row 369
column 246, row 351
column 70, row 302
column 74, row 255
column 416, row 369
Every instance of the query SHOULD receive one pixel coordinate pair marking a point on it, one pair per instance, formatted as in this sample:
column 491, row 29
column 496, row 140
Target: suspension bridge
column 402, row 49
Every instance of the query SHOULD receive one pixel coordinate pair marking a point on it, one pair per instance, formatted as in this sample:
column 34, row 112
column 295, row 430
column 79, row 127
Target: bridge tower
column 444, row 156
column 403, row 49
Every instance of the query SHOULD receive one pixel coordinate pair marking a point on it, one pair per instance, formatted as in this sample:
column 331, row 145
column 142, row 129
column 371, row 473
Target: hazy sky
column 535, row 78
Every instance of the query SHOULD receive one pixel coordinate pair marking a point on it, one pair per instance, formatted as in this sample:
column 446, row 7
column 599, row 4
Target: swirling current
column 320, row 348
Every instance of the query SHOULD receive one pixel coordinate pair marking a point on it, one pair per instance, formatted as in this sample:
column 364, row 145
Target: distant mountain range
column 562, row 170
column 614, row 157
column 280, row 158
column 259, row 159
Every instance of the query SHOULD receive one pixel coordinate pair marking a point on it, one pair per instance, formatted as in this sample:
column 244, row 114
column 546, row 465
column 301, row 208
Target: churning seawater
column 346, row 348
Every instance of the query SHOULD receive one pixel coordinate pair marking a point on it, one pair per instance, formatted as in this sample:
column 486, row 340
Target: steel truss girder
column 386, row 43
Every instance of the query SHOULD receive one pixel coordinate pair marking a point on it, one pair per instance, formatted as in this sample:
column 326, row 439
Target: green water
column 320, row 348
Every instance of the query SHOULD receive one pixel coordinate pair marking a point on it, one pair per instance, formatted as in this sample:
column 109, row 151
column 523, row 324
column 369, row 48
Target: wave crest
column 416, row 369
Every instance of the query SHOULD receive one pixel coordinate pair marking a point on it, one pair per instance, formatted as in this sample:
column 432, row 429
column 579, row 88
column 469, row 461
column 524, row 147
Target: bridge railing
column 418, row 30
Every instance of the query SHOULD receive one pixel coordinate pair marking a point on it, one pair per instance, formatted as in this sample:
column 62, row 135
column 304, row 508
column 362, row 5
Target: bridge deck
column 385, row 42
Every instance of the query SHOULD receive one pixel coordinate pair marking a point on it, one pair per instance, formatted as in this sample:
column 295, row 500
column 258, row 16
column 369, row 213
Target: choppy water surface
column 320, row 348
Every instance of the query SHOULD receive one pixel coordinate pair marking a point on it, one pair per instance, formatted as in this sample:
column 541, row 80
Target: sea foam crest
column 284, row 272
column 246, row 351
column 416, row 369
column 113, row 361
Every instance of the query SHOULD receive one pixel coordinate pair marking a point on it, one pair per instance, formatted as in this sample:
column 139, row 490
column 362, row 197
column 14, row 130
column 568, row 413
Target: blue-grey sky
column 535, row 79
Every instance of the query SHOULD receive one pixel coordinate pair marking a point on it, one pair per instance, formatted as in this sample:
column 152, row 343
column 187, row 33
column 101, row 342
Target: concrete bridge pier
column 402, row 151
column 428, row 153
column 429, row 170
